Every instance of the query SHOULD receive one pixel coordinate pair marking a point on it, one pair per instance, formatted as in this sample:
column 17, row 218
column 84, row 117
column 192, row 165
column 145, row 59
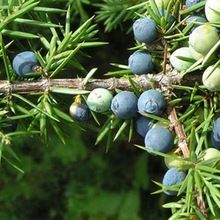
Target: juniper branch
column 179, row 130
column 144, row 81
column 184, row 147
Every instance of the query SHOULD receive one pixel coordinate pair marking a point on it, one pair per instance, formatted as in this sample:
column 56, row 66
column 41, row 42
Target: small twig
column 179, row 130
column 201, row 204
column 165, row 57
column 183, row 145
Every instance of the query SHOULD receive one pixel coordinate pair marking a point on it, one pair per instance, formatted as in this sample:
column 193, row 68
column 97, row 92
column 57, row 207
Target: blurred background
column 81, row 181
column 78, row 180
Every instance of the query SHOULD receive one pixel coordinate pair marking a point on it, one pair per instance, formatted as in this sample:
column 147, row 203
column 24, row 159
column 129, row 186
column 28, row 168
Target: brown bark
column 144, row 81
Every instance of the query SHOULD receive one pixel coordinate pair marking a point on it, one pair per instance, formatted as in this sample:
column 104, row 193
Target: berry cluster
column 202, row 39
column 145, row 31
column 125, row 105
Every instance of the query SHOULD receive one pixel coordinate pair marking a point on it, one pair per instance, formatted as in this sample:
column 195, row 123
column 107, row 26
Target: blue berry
column 194, row 18
column 159, row 139
column 215, row 141
column 215, row 135
column 151, row 101
column 190, row 3
column 9, row 126
column 79, row 112
column 24, row 63
column 216, row 126
column 143, row 125
column 145, row 30
column 173, row 177
column 124, row 105
column 140, row 63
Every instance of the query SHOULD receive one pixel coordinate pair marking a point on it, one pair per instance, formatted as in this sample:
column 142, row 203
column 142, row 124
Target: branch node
column 82, row 85
column 113, row 84
column 46, row 84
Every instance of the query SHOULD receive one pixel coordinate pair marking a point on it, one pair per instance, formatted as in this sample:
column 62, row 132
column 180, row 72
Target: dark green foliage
column 74, row 181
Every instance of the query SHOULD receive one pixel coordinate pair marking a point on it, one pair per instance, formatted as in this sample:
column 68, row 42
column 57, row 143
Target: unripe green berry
column 203, row 38
column 162, row 3
column 195, row 54
column 211, row 153
column 211, row 78
column 176, row 161
column 212, row 10
column 180, row 64
column 173, row 162
column 99, row 100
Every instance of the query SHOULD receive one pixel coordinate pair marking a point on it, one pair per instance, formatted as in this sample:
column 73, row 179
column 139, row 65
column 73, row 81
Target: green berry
column 162, row 3
column 212, row 10
column 195, row 54
column 178, row 63
column 99, row 100
column 175, row 161
column 211, row 153
column 203, row 38
column 211, row 78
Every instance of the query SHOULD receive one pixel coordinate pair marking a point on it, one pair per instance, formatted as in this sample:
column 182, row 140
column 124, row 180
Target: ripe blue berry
column 194, row 18
column 99, row 100
column 143, row 125
column 140, row 63
column 173, row 177
column 79, row 112
column 190, row 3
column 215, row 135
column 159, row 139
column 151, row 101
column 145, row 30
column 124, row 105
column 9, row 126
column 215, row 140
column 24, row 63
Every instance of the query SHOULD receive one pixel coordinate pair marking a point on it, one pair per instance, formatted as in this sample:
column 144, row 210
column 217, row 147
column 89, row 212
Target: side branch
column 144, row 81
column 184, row 147
column 179, row 130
